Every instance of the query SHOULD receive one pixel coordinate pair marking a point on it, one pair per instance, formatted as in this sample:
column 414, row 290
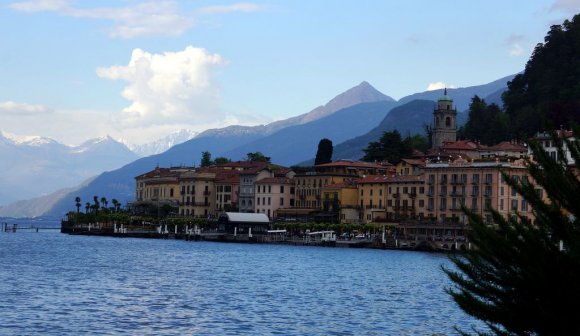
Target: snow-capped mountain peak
column 163, row 144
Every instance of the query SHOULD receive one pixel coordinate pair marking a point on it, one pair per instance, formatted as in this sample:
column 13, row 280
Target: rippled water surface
column 55, row 284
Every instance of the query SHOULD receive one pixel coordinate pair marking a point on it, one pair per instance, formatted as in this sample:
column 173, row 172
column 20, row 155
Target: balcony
column 431, row 182
column 206, row 193
column 413, row 195
column 475, row 182
column 396, row 195
column 488, row 181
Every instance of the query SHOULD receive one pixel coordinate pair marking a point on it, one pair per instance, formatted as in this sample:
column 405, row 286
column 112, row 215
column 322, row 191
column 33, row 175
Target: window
column 268, row 200
column 524, row 205
column 443, row 203
column 474, row 203
column 281, row 201
column 281, row 189
column 514, row 205
column 501, row 204
column 269, row 188
column 258, row 199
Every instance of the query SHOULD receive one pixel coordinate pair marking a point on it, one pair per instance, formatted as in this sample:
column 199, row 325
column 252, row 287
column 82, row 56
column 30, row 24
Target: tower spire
column 445, row 92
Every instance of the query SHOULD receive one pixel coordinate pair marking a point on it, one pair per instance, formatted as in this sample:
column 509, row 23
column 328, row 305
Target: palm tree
column 96, row 205
column 78, row 203
column 116, row 204
column 87, row 207
column 104, row 202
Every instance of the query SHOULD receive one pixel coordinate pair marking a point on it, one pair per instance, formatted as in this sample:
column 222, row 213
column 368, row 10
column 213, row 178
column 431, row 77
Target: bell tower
column 444, row 121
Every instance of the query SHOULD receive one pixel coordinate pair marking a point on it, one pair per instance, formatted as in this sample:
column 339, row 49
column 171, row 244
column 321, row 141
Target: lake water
column 55, row 284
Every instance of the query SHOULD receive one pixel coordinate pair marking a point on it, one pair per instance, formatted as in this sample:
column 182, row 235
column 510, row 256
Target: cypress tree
column 324, row 152
column 518, row 279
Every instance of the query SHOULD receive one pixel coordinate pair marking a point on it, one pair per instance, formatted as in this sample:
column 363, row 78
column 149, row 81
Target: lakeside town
column 415, row 203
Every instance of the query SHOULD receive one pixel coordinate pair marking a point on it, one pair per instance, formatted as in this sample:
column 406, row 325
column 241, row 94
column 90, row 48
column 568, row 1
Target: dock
column 29, row 228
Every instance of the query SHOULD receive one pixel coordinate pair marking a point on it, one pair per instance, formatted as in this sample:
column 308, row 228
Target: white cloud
column 13, row 108
column 567, row 6
column 169, row 87
column 516, row 50
column 244, row 7
column 150, row 18
column 160, row 17
column 438, row 86
column 40, row 5
column 515, row 42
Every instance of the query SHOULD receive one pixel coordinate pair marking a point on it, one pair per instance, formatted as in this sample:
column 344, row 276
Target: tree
column 87, row 207
column 116, row 204
column 104, row 202
column 518, row 279
column 257, row 157
column 206, row 159
column 221, row 160
column 78, row 203
column 96, row 204
column 486, row 123
column 324, row 152
column 548, row 91
column 390, row 147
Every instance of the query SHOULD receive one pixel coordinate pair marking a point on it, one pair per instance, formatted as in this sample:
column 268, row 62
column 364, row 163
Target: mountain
column 297, row 143
column 407, row 119
column 38, row 206
column 461, row 96
column 163, row 144
column 120, row 184
column 416, row 110
column 362, row 93
column 35, row 166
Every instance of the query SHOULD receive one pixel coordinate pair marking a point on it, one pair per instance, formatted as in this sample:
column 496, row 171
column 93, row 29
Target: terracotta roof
column 461, row 145
column 508, row 146
column 391, row 178
column 160, row 172
column 352, row 163
column 275, row 180
column 414, row 162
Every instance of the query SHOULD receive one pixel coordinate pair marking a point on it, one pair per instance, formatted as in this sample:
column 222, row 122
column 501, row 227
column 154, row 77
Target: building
column 392, row 198
column 409, row 167
column 273, row 193
column 549, row 146
column 339, row 203
column 444, row 121
column 478, row 186
column 197, row 190
column 156, row 189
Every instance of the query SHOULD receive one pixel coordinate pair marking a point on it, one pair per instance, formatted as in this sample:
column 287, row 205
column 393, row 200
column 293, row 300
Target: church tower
column 444, row 121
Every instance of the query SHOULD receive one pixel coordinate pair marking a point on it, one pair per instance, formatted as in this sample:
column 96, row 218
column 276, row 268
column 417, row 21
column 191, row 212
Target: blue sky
column 138, row 70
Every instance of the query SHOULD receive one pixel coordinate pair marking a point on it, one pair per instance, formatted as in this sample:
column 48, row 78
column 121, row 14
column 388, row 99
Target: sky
column 138, row 70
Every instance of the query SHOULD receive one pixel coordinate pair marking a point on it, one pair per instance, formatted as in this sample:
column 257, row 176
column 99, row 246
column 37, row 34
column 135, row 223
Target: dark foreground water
column 54, row 284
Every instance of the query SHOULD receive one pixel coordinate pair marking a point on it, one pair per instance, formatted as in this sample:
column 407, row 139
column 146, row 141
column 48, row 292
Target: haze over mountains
column 350, row 120
column 33, row 166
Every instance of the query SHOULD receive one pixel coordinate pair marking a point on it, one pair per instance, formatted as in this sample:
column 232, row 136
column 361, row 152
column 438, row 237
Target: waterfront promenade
column 404, row 237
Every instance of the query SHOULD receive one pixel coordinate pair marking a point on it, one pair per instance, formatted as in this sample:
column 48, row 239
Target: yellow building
column 340, row 202
column 159, row 187
column 392, row 198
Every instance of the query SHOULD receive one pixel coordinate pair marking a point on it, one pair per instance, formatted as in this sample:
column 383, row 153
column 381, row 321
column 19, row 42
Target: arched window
column 437, row 121
column 448, row 122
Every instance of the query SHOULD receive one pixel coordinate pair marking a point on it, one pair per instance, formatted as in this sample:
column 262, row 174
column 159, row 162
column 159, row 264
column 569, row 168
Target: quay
column 420, row 237
column 30, row 228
